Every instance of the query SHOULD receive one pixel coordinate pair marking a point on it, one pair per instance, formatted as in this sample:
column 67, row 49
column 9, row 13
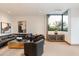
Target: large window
column 58, row 22
column 65, row 22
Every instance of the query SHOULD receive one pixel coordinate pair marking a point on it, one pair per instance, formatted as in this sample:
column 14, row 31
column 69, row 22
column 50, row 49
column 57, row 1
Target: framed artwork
column 5, row 27
column 0, row 27
column 21, row 26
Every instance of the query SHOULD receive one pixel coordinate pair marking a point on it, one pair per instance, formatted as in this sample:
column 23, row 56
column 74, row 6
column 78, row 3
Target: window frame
column 62, row 28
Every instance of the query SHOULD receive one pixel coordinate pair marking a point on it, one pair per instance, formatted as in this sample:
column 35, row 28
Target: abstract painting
column 5, row 27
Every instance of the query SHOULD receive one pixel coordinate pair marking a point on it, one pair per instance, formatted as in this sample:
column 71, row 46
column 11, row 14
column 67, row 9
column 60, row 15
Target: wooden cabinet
column 56, row 37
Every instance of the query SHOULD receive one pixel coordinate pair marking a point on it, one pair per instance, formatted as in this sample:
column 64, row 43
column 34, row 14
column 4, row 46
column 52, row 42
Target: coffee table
column 16, row 44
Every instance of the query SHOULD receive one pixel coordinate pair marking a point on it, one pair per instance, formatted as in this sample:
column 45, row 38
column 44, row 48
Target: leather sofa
column 35, row 47
column 6, row 38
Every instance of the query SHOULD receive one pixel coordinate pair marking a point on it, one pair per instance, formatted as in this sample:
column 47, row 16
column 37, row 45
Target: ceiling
column 23, row 9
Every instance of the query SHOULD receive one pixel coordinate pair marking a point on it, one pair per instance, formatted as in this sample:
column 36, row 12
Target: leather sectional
column 6, row 38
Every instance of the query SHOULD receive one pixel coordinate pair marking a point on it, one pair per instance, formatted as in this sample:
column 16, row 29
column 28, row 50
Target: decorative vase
column 56, row 32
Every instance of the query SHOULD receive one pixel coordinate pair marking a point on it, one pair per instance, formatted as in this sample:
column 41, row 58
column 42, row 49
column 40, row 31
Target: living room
column 34, row 21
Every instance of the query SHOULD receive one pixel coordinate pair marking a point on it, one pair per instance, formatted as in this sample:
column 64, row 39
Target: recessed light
column 9, row 11
column 40, row 11
column 57, row 10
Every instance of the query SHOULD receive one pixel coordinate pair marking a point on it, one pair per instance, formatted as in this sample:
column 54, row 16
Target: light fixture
column 9, row 11
column 57, row 10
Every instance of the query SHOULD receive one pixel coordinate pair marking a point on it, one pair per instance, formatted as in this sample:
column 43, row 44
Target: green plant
column 57, row 26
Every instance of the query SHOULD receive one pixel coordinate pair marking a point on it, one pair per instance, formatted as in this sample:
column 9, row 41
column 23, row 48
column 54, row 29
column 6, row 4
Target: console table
column 57, row 37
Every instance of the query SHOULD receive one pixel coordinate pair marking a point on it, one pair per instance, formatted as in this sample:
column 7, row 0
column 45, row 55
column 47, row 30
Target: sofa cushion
column 38, row 37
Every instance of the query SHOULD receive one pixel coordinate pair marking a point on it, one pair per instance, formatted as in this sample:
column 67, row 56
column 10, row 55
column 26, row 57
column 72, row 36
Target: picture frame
column 5, row 27
column 21, row 26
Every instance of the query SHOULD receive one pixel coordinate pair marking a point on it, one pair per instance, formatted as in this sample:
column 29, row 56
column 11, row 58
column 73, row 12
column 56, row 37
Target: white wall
column 34, row 24
column 68, row 34
column 15, row 23
column 74, row 26
column 4, row 18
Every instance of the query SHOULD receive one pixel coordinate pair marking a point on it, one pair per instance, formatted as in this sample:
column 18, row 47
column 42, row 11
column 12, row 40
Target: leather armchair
column 34, row 48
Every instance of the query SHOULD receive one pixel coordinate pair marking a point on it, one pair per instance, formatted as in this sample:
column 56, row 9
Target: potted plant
column 56, row 27
column 56, row 32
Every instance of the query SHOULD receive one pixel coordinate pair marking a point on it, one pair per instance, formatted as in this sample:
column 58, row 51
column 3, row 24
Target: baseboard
column 74, row 44
column 68, row 43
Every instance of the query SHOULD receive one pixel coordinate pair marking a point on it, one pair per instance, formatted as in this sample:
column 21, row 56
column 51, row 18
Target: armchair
column 34, row 48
